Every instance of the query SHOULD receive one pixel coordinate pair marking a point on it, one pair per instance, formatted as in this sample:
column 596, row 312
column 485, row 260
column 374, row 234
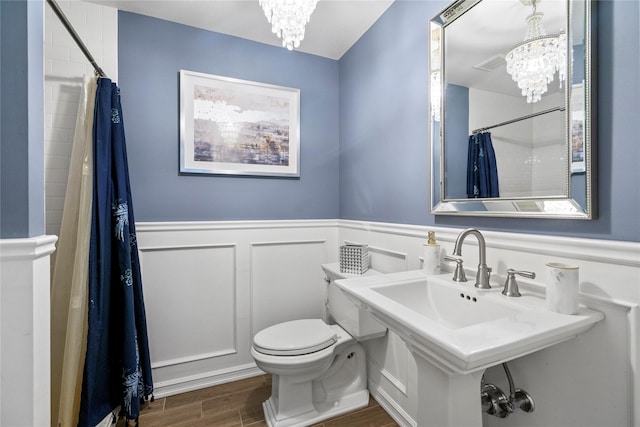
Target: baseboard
column 394, row 410
column 207, row 379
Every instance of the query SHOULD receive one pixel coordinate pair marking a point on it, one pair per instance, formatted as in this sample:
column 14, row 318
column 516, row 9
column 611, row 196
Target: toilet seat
column 295, row 338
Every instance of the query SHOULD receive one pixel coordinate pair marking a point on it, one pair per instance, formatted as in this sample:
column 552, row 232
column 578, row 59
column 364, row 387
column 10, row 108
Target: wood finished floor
column 239, row 404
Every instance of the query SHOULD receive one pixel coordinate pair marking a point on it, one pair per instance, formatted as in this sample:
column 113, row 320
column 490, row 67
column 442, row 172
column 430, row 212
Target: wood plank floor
column 239, row 404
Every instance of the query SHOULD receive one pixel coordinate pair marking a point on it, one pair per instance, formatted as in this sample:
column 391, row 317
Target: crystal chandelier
column 435, row 95
column 435, row 80
column 534, row 62
column 288, row 18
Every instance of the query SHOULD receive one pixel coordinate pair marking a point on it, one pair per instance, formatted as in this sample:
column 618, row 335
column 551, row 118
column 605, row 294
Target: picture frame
column 577, row 128
column 238, row 127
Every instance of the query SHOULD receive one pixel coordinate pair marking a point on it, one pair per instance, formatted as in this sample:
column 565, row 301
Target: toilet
column 318, row 368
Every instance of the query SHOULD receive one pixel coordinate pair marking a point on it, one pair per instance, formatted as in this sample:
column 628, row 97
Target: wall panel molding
column 609, row 279
column 289, row 242
column 204, row 379
column 279, row 256
column 187, row 330
column 185, row 246
column 233, row 225
column 286, row 281
column 193, row 358
column 281, row 259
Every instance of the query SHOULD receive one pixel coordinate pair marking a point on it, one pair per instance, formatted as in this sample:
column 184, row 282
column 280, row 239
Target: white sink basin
column 443, row 304
column 459, row 328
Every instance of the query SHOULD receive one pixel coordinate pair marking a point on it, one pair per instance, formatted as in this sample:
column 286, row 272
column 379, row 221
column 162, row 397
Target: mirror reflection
column 508, row 85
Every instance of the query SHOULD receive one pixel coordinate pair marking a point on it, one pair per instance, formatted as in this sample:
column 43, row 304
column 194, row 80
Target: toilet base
column 348, row 403
column 334, row 384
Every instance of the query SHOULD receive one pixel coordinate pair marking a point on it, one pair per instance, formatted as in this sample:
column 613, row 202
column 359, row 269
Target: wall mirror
column 511, row 109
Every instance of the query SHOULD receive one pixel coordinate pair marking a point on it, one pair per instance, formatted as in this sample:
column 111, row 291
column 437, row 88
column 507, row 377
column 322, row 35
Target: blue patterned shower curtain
column 482, row 169
column 117, row 370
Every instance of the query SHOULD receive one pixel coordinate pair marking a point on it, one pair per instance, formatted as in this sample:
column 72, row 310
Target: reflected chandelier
column 533, row 63
column 288, row 19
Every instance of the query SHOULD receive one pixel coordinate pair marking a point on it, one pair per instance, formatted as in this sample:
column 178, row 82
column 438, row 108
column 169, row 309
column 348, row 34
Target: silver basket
column 354, row 259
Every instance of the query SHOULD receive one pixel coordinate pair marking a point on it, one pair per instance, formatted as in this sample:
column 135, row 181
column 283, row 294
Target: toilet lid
column 295, row 338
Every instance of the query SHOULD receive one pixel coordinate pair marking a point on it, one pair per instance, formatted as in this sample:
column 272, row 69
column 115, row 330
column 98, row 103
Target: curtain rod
column 75, row 37
column 529, row 116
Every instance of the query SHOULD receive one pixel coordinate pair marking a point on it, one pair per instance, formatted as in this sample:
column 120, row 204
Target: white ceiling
column 489, row 29
column 335, row 24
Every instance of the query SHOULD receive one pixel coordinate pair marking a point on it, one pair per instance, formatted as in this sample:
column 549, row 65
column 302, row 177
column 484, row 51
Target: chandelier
column 288, row 18
column 435, row 95
column 533, row 63
column 435, row 80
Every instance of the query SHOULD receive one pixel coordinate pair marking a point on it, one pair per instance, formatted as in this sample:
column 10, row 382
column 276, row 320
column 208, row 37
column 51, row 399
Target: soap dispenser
column 431, row 255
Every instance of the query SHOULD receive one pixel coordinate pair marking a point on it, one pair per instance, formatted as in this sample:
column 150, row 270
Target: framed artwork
column 577, row 128
column 238, row 127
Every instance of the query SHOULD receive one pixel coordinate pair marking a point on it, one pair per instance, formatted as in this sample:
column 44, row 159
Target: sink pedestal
column 456, row 331
column 445, row 397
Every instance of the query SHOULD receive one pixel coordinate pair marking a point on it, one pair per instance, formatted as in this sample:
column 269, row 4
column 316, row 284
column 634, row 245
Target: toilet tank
column 359, row 323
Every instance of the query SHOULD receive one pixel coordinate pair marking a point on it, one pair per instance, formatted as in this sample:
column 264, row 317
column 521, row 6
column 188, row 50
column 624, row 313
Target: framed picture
column 238, row 127
column 577, row 128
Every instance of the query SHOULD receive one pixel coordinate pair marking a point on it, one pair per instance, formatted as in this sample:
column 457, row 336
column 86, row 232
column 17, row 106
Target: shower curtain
column 117, row 369
column 482, row 169
column 71, row 267
column 115, row 364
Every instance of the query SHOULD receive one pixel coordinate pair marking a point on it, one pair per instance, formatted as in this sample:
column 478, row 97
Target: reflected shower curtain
column 117, row 369
column 482, row 169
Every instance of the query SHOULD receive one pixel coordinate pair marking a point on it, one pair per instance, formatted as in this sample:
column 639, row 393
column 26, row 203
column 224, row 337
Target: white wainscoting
column 286, row 281
column 25, row 366
column 593, row 380
column 201, row 321
column 210, row 286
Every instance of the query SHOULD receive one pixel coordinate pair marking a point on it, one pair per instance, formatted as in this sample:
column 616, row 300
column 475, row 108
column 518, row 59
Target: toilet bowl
column 319, row 371
column 322, row 375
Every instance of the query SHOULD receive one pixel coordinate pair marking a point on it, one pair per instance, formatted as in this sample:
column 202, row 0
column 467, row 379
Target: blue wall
column 384, row 137
column 21, row 119
column 456, row 119
column 151, row 53
column 384, row 144
column 374, row 101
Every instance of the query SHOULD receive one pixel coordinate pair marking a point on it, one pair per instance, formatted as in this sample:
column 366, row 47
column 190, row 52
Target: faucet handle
column 511, row 285
column 458, row 275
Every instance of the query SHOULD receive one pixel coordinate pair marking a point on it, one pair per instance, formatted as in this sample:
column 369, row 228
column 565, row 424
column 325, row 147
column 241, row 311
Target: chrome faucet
column 482, row 276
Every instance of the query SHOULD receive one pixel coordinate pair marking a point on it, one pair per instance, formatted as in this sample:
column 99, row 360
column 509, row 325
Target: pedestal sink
column 456, row 331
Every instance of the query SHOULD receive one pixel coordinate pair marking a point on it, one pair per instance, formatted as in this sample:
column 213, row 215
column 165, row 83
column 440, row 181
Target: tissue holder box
column 354, row 259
